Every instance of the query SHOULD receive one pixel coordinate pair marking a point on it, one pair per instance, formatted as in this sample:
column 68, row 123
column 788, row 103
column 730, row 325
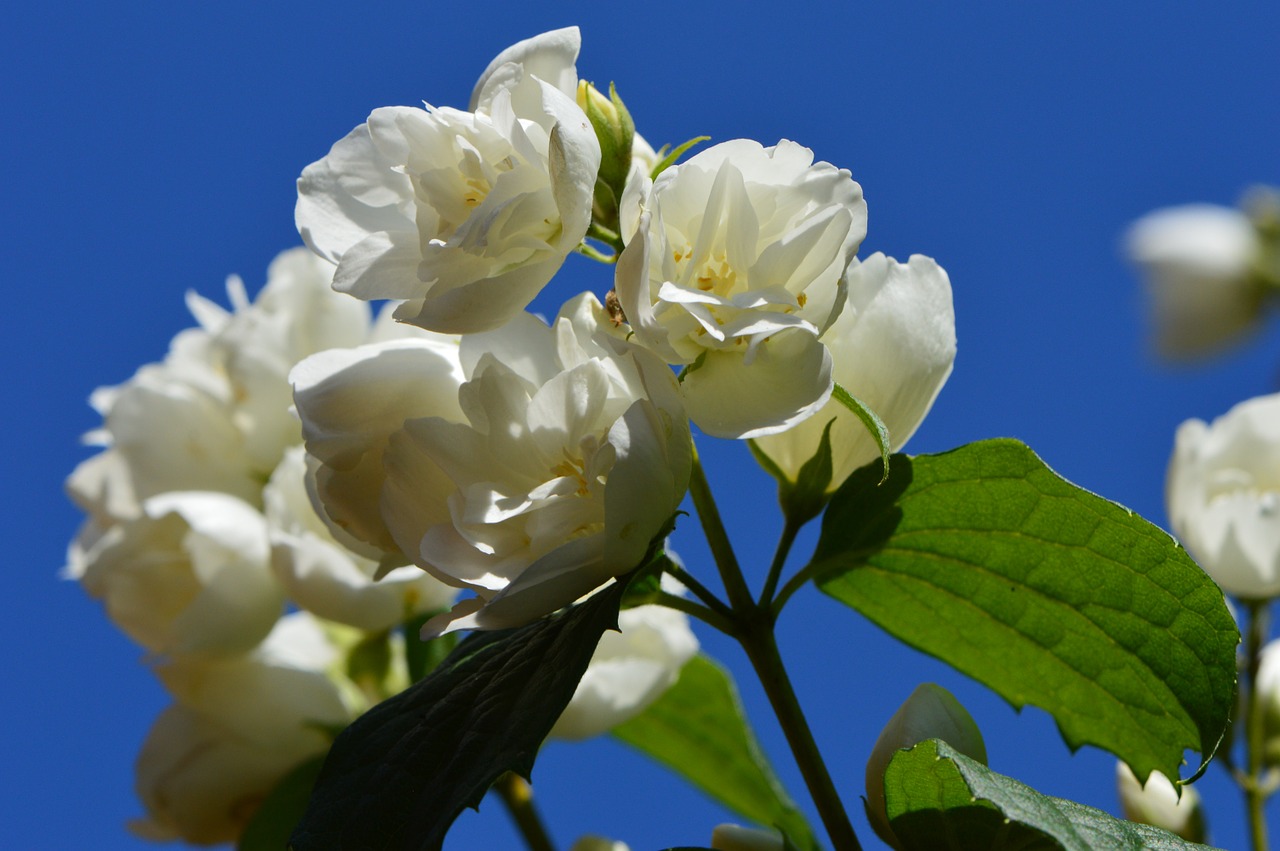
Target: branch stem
column 1256, row 790
column 517, row 795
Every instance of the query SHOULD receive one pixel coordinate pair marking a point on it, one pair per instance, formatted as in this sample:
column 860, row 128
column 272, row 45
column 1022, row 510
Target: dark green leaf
column 1048, row 594
column 398, row 777
column 937, row 797
column 283, row 807
column 873, row 424
column 698, row 730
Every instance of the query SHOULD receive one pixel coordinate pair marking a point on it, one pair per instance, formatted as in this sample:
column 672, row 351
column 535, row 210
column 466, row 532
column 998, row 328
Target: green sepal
column 670, row 158
column 872, row 422
column 803, row 499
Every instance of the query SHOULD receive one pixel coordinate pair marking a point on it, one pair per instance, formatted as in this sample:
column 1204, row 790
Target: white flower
column 544, row 476
column 1196, row 260
column 893, row 347
column 1223, row 496
column 466, row 215
column 931, row 712
column 189, row 576
column 630, row 669
column 1267, row 687
column 1157, row 804
column 239, row 726
column 736, row 267
column 214, row 415
column 328, row 579
column 734, row 837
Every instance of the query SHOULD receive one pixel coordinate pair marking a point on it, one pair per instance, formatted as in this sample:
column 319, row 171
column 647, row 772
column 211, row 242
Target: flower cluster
column 290, row 454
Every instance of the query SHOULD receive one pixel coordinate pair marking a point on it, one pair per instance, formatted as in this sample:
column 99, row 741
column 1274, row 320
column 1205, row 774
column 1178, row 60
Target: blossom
column 1158, row 804
column 931, row 712
column 1197, row 263
column 1223, row 496
column 238, row 727
column 893, row 347
column 630, row 669
column 532, row 469
column 326, row 578
column 465, row 215
column 190, row 575
column 736, row 267
column 214, row 414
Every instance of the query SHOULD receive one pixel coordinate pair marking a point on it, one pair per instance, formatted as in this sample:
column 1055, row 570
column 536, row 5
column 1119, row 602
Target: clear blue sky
column 152, row 147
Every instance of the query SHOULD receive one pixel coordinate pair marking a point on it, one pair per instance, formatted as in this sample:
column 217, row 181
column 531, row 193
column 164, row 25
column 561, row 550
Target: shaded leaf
column 699, row 730
column 937, row 797
column 402, row 772
column 271, row 825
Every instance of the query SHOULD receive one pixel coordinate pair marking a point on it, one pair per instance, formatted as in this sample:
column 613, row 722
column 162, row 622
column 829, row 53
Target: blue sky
column 151, row 148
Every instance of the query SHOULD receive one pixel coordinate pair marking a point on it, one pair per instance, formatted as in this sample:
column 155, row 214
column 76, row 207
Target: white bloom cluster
column 199, row 530
column 472, row 445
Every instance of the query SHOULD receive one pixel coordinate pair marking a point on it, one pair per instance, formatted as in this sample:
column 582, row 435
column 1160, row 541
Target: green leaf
column 1046, row 593
column 873, row 424
column 698, row 730
column 271, row 825
column 402, row 772
column 937, row 797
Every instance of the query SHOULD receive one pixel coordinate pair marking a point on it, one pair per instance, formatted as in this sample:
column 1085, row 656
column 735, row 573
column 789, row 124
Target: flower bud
column 591, row 842
column 615, row 131
column 732, row 837
column 931, row 712
column 1158, row 804
column 1266, row 687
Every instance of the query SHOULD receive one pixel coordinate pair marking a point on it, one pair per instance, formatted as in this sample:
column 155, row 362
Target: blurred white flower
column 1158, row 805
column 328, row 579
column 545, row 475
column 733, row 837
column 893, row 346
column 630, row 669
column 1223, row 496
column 190, row 575
column 931, row 712
column 736, row 267
column 1196, row 260
column 466, row 215
column 239, row 726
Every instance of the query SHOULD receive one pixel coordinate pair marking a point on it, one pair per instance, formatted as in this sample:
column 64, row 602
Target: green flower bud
column 732, row 837
column 931, row 712
column 616, row 132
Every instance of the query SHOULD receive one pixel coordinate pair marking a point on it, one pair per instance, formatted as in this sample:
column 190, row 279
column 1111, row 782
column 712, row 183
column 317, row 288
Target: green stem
column 517, row 795
column 717, row 539
column 1255, row 790
column 789, row 531
column 597, row 255
column 700, row 591
column 709, row 616
column 762, row 649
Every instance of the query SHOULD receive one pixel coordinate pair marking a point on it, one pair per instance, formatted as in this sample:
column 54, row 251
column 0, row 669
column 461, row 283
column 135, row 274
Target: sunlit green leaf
column 1048, row 594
